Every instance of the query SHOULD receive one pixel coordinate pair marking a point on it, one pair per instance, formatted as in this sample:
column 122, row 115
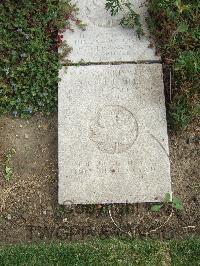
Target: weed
column 61, row 210
column 130, row 19
column 176, row 30
column 180, row 112
column 175, row 203
column 175, row 27
column 8, row 172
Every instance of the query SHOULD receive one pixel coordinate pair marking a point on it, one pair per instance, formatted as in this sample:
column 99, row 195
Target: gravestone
column 113, row 143
column 104, row 40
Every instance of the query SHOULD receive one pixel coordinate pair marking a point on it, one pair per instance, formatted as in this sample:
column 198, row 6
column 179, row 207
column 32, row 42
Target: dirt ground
column 28, row 202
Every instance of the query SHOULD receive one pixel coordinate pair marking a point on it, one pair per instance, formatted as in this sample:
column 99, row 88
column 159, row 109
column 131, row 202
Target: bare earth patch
column 28, row 202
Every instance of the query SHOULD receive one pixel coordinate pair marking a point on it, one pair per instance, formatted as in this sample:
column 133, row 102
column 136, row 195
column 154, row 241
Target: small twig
column 156, row 229
column 118, row 227
column 189, row 226
column 170, row 85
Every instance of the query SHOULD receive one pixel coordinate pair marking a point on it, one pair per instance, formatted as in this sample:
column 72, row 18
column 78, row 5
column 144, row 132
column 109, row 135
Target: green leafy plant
column 61, row 210
column 181, row 7
column 174, row 24
column 180, row 112
column 130, row 19
column 8, row 171
column 31, row 33
column 114, row 6
column 174, row 202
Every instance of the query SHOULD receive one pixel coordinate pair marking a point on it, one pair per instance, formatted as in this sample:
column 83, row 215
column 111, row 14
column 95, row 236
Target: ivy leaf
column 177, row 204
column 114, row 6
column 156, row 208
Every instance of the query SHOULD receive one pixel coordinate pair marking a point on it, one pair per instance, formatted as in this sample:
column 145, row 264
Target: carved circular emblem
column 99, row 16
column 114, row 129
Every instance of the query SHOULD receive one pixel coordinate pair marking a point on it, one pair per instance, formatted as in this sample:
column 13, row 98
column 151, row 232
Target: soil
column 29, row 211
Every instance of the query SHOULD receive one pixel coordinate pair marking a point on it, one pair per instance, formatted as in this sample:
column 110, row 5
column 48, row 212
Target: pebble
column 49, row 208
column 26, row 136
column 9, row 217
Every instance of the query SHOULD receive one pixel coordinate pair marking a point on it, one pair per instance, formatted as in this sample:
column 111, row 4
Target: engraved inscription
column 97, row 14
column 114, row 129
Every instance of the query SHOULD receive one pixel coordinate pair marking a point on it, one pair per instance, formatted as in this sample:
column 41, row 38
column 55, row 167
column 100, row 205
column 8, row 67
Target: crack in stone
column 114, row 63
column 160, row 144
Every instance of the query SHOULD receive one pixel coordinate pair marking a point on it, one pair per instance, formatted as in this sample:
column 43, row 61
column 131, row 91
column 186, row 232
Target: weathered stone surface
column 113, row 143
column 104, row 39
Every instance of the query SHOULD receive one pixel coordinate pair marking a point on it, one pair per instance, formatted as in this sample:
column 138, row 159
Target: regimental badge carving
column 114, row 129
column 99, row 16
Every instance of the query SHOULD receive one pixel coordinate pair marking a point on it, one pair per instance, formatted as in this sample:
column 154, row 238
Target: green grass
column 29, row 60
column 175, row 25
column 185, row 253
column 105, row 252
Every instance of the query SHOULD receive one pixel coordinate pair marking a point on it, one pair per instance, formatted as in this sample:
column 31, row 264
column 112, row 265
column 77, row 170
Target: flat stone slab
column 113, row 142
column 104, row 40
